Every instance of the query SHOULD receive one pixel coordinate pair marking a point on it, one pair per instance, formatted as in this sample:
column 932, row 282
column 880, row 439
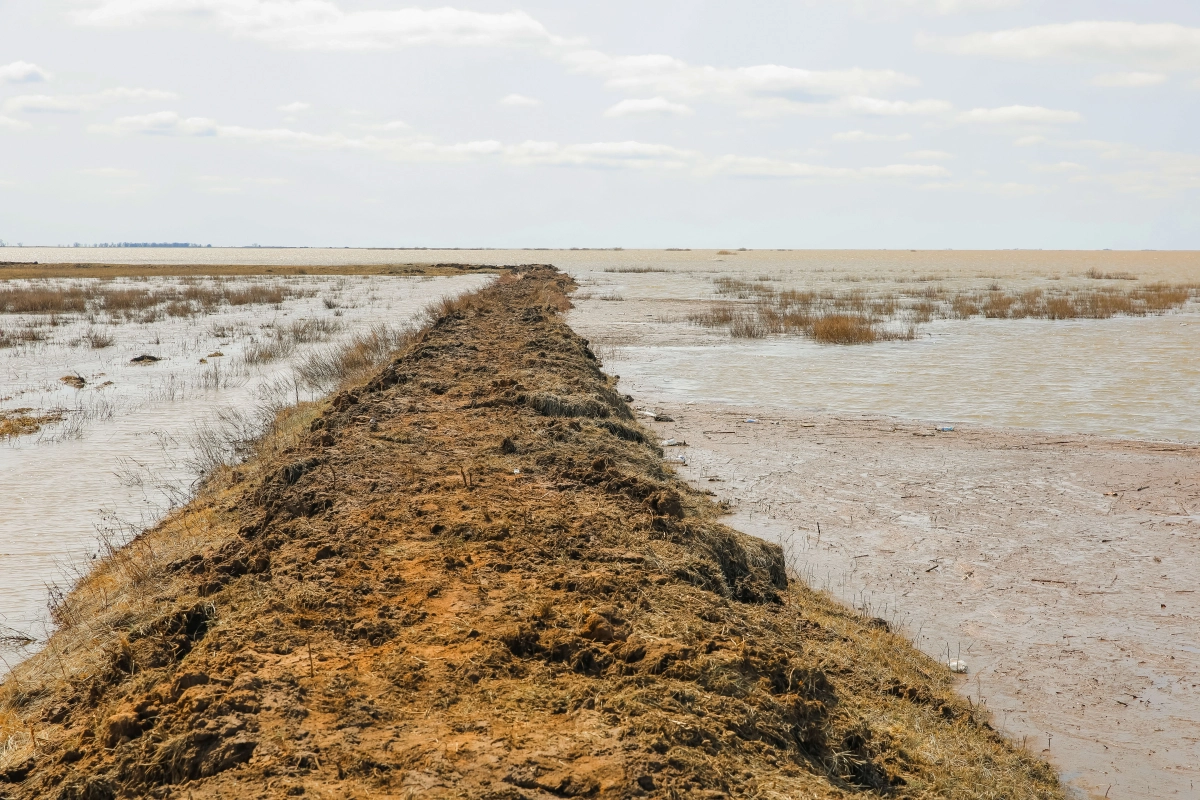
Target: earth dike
column 472, row 575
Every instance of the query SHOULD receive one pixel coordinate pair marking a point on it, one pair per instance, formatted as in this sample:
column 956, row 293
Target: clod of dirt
column 408, row 614
column 74, row 381
column 144, row 359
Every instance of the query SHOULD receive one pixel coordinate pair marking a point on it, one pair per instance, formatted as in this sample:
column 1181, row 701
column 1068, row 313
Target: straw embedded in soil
column 470, row 574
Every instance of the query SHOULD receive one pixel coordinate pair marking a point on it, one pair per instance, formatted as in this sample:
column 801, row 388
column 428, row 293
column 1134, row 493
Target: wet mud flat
column 1061, row 568
column 474, row 575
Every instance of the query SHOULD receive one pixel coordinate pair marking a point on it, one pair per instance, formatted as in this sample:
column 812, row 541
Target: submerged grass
column 282, row 340
column 11, row 337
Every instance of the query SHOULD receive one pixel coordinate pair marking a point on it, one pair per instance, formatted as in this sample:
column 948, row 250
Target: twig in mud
column 308, row 642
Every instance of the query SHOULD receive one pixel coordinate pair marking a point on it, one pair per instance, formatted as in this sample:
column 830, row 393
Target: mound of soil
column 473, row 576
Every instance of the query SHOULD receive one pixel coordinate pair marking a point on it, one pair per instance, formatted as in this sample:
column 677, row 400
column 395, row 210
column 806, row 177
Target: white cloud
column 929, row 155
column 1148, row 46
column 23, row 72
column 1127, row 168
column 761, row 167
column 394, row 125
column 1062, row 166
column 659, row 106
column 1131, row 80
column 1012, row 188
column 672, row 77
column 161, row 123
column 83, row 102
column 110, row 172
column 323, row 25
column 1019, row 115
column 1029, row 141
column 888, row 8
column 768, row 107
column 10, row 124
column 519, row 100
column 235, row 184
column 630, row 155
column 1151, row 173
column 863, row 136
column 293, row 108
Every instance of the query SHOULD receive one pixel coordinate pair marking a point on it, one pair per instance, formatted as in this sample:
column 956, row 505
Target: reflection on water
column 124, row 454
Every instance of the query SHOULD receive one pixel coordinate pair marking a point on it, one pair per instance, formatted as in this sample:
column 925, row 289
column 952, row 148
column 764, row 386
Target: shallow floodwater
column 125, row 452
column 1137, row 377
column 1126, row 377
column 1134, row 377
column 1131, row 377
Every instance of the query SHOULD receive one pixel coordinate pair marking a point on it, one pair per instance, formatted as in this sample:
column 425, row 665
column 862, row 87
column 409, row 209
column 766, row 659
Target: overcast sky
column 797, row 123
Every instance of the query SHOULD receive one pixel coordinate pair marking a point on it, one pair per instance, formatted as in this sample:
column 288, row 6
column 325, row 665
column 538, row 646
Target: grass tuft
column 861, row 317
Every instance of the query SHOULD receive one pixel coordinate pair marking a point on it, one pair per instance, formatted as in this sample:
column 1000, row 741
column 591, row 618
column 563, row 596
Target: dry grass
column 860, row 317
column 283, row 340
column 1096, row 274
column 15, row 271
column 24, row 421
column 14, row 337
column 119, row 301
column 365, row 352
column 843, row 329
column 43, row 300
column 636, row 270
column 98, row 339
column 378, row 578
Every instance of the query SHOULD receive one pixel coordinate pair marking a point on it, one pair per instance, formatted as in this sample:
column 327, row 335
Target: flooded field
column 1119, row 375
column 1050, row 539
column 120, row 410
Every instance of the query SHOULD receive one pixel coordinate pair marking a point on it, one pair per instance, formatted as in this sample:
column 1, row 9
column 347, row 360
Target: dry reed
column 859, row 317
column 123, row 302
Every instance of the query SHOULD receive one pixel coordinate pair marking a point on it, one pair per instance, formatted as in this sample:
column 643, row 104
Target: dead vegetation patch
column 27, row 271
column 24, row 421
column 757, row 308
column 119, row 301
column 470, row 574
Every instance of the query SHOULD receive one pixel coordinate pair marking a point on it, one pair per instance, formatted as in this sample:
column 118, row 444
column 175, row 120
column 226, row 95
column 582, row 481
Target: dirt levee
column 472, row 575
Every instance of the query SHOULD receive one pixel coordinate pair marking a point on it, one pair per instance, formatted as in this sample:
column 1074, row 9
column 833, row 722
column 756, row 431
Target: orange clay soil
column 473, row 576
